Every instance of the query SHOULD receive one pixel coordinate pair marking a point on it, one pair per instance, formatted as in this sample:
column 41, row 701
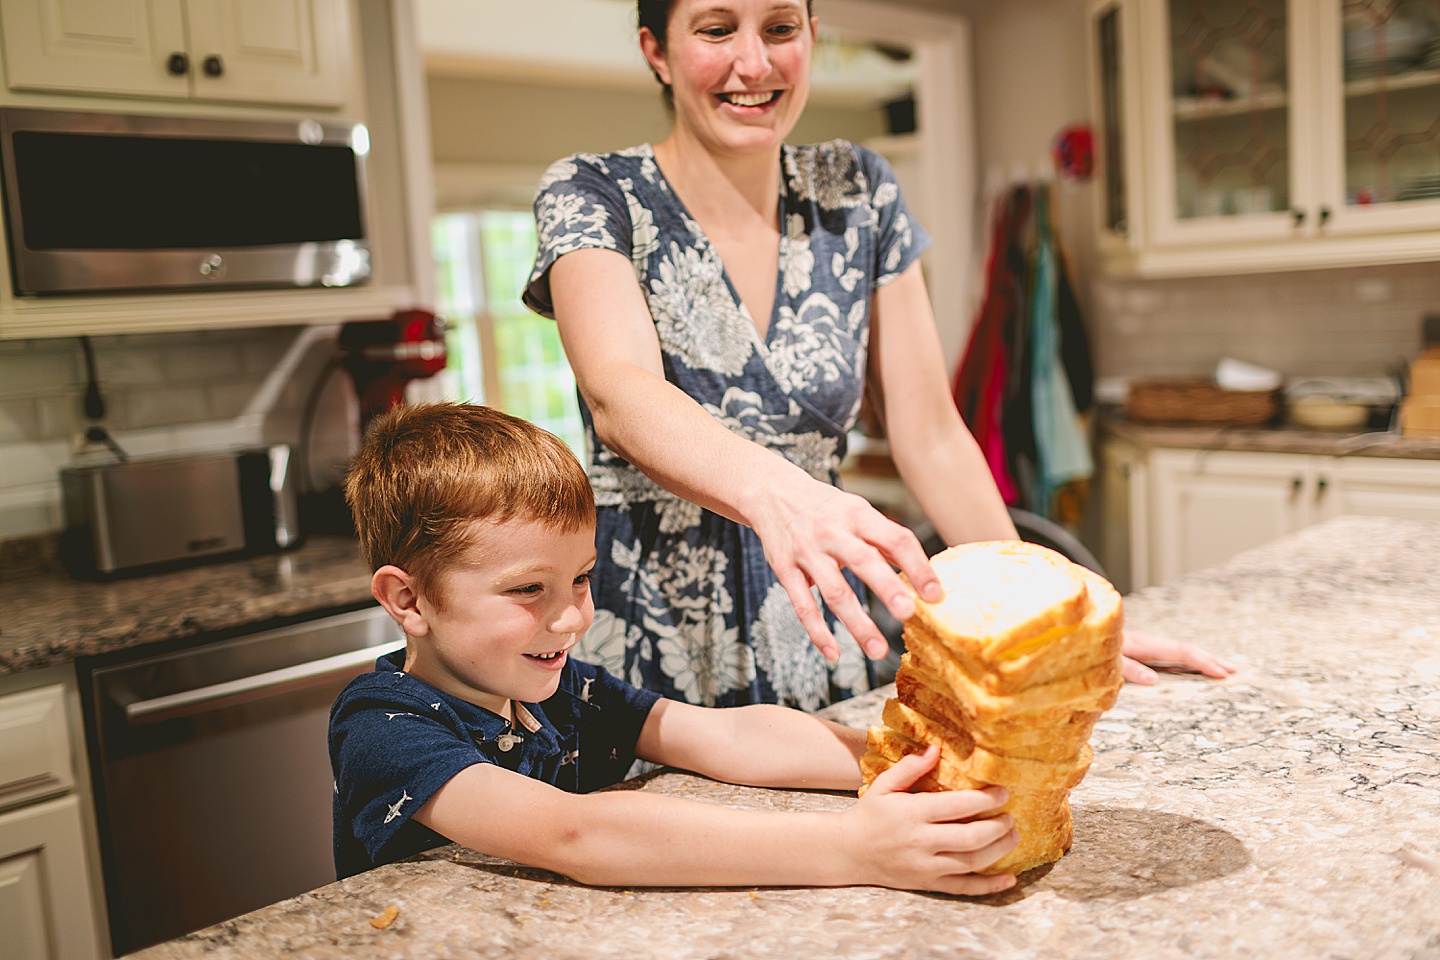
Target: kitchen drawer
column 34, row 746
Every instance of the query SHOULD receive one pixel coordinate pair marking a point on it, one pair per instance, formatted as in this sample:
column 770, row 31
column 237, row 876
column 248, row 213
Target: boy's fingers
column 961, row 805
column 903, row 775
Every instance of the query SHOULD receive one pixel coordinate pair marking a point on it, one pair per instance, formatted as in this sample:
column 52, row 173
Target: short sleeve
column 612, row 725
column 578, row 206
column 390, row 756
column 899, row 238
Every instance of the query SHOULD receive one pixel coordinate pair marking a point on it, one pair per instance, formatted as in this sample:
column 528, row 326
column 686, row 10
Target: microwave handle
column 218, row 696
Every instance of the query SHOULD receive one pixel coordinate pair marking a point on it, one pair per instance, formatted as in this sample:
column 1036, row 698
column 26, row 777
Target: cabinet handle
column 1324, row 215
column 213, row 66
column 1295, row 484
column 178, row 64
column 1320, row 486
column 1299, row 216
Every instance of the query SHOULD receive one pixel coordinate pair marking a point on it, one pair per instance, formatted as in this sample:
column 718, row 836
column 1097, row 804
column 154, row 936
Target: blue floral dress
column 685, row 602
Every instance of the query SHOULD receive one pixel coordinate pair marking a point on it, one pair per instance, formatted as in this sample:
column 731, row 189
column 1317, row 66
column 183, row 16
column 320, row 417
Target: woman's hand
column 1143, row 648
column 811, row 531
column 929, row 841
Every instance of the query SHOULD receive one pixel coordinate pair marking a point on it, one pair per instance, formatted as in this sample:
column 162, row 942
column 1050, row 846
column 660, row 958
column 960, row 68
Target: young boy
column 480, row 529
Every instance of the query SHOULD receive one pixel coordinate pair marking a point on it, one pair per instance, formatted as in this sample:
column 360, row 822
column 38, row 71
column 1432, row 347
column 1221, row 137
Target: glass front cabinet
column 1249, row 135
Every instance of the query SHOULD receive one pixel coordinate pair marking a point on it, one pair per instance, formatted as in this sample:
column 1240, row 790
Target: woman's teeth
column 749, row 99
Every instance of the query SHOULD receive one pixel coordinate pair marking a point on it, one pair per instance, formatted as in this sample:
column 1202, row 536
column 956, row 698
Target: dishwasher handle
column 218, row 696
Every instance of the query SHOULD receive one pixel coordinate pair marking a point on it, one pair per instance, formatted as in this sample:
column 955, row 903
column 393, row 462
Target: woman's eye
column 715, row 32
column 784, row 30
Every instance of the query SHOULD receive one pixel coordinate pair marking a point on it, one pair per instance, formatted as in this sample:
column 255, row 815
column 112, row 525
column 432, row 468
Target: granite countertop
column 1289, row 811
column 1283, row 439
column 52, row 618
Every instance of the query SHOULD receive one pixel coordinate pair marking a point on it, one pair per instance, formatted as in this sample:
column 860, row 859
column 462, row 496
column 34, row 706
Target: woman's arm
column 932, row 448
column 941, row 464
column 924, row 841
column 809, row 529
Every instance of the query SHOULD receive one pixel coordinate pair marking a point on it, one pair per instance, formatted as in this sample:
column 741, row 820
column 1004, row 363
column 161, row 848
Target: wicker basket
column 1199, row 401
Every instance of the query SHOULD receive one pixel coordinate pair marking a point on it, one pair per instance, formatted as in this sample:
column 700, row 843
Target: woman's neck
column 710, row 185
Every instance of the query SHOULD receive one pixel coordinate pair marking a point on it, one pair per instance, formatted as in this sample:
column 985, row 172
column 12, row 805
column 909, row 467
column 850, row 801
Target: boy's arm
column 632, row 838
column 761, row 745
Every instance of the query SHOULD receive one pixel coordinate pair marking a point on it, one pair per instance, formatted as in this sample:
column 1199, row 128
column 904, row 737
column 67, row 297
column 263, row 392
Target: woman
column 724, row 299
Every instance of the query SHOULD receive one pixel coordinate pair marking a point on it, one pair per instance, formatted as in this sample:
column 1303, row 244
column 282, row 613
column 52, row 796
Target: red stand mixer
column 383, row 356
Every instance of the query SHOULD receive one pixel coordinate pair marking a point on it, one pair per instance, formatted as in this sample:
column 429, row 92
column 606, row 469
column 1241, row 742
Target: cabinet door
column 1379, row 72
column 45, row 909
column 119, row 47
column 1225, row 106
column 270, row 51
column 1378, row 487
column 1207, row 506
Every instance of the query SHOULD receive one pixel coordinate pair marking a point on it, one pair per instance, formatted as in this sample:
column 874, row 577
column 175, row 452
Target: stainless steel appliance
column 139, row 513
column 211, row 771
column 108, row 202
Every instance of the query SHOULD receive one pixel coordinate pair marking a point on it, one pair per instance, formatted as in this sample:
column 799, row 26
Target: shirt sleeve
column 578, row 206
column 390, row 755
column 899, row 238
column 609, row 737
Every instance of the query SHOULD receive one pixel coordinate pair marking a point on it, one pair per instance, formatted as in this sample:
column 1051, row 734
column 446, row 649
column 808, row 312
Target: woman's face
column 739, row 69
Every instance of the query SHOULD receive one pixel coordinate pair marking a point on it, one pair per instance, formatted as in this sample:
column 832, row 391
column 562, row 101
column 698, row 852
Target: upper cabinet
column 1249, row 135
column 286, row 52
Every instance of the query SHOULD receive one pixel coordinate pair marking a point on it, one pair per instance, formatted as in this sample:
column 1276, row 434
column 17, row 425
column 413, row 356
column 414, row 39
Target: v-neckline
column 710, row 248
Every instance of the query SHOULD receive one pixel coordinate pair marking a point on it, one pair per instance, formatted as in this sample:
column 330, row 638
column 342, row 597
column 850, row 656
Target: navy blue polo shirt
column 395, row 740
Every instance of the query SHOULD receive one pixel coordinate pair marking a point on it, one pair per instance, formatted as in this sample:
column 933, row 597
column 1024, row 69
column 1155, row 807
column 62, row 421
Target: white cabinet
column 1190, row 509
column 1251, row 135
column 44, row 888
column 46, row 905
column 244, row 51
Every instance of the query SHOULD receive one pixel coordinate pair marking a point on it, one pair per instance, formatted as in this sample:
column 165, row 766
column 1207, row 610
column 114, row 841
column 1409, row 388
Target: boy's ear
column 393, row 588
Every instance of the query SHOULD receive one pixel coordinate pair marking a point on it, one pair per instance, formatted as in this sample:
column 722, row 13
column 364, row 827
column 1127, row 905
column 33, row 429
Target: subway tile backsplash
column 1352, row 322
column 163, row 393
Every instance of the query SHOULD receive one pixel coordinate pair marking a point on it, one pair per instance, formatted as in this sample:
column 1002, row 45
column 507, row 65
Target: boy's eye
column 528, row 589
column 584, row 579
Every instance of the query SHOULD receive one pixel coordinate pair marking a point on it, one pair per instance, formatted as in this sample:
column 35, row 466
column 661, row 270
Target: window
column 500, row 352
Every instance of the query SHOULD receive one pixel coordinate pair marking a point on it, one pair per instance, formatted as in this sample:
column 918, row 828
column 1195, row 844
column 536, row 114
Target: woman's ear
column 654, row 52
column 395, row 591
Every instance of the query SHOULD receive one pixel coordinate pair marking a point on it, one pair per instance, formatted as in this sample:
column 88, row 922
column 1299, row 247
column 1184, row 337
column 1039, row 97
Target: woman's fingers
column 797, row 587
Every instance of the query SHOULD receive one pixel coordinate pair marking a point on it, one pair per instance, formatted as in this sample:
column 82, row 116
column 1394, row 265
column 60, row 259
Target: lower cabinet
column 48, row 908
column 1188, row 509
column 44, row 887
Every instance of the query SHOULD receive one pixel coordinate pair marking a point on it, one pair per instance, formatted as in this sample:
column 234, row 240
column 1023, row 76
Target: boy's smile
column 514, row 606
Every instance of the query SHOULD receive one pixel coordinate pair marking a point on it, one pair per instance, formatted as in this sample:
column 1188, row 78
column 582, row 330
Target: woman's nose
column 752, row 59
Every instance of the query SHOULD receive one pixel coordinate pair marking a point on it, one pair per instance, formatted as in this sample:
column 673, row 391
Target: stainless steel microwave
column 98, row 202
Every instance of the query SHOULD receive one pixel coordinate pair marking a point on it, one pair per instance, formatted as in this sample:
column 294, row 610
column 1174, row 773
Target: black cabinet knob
column 178, row 64
column 213, row 66
column 1299, row 216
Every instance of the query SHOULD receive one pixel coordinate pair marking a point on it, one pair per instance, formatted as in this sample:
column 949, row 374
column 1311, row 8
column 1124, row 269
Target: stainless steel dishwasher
column 212, row 776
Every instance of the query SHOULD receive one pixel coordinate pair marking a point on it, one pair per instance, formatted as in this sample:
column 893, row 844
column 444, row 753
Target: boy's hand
column 929, row 841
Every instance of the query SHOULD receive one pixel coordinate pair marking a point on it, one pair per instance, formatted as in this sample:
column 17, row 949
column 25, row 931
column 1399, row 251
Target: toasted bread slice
column 1094, row 641
column 1003, row 598
column 1095, row 689
column 1057, row 739
column 980, row 767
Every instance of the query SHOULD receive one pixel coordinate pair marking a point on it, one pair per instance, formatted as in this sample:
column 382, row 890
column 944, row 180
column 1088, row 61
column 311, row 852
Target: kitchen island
column 1292, row 810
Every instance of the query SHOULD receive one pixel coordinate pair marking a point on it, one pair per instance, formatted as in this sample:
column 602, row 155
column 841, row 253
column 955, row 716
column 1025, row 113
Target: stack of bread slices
column 1007, row 674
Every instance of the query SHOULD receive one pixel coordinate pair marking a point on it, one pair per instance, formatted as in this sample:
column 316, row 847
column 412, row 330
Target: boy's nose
column 574, row 617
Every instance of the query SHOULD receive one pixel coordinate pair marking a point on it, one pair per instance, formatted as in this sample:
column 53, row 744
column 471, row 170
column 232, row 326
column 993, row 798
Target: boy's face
column 515, row 605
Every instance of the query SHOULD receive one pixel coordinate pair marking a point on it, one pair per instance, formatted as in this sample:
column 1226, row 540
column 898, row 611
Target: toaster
column 148, row 513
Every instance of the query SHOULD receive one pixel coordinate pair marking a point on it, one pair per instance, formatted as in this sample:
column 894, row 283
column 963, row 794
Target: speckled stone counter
column 1292, row 811
column 1271, row 439
column 53, row 619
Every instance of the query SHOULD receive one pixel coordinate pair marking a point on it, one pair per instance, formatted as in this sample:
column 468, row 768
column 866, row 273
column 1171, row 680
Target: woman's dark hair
column 654, row 15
